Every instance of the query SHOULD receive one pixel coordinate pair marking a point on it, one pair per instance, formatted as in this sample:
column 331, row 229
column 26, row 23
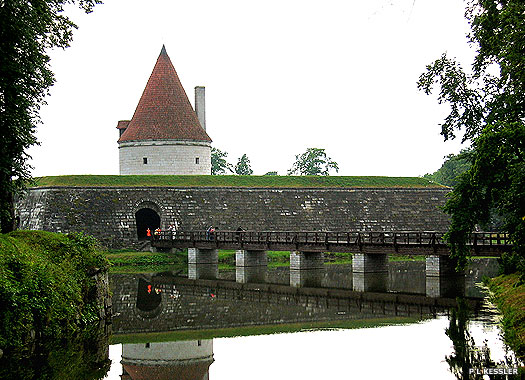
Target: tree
column 271, row 173
column 488, row 104
column 452, row 168
column 219, row 165
column 243, row 166
column 27, row 30
column 313, row 162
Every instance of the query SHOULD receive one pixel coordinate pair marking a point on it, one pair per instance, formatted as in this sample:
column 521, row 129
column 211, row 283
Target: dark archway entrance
column 146, row 218
column 148, row 299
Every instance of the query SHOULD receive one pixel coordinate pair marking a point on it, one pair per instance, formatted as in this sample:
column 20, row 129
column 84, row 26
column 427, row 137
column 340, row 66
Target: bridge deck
column 403, row 242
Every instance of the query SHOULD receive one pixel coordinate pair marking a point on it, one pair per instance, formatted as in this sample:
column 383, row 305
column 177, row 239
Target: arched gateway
column 146, row 218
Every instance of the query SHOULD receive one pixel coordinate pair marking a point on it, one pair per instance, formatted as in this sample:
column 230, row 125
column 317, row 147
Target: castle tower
column 165, row 135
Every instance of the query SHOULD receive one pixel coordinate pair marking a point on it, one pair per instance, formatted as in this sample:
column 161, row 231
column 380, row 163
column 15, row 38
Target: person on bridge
column 238, row 233
column 210, row 232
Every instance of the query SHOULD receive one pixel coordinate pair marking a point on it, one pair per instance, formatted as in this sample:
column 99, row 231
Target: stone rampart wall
column 108, row 213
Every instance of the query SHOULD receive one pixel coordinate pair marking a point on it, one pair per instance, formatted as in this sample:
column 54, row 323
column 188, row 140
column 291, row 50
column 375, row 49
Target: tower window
column 196, row 160
column 145, row 160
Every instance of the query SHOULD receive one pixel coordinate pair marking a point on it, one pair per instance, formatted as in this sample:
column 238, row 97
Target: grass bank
column 127, row 261
column 508, row 294
column 46, row 289
column 234, row 181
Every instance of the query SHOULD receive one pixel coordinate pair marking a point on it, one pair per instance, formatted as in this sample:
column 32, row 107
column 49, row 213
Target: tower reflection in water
column 188, row 360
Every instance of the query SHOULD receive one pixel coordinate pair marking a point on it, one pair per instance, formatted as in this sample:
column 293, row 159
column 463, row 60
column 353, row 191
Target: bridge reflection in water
column 164, row 302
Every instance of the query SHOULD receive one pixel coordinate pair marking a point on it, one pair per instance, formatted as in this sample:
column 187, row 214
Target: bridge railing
column 397, row 238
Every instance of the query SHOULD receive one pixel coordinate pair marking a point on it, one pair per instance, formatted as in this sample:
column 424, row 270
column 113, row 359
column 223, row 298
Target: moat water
column 278, row 324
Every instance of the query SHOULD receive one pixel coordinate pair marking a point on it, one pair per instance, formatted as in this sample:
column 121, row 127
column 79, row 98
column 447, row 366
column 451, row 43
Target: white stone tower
column 165, row 135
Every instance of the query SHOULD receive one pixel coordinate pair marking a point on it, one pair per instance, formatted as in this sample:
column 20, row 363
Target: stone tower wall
column 165, row 157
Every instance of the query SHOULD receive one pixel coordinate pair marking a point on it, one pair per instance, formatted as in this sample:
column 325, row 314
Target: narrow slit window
column 196, row 160
column 145, row 160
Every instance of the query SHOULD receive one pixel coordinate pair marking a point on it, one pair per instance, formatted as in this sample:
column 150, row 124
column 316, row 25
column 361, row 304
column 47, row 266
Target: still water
column 277, row 323
column 408, row 334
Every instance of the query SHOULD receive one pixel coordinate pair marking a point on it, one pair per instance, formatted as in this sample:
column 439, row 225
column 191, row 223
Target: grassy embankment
column 234, row 181
column 45, row 283
column 508, row 294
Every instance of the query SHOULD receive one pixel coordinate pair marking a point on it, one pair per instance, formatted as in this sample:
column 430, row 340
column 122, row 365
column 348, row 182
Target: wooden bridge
column 402, row 242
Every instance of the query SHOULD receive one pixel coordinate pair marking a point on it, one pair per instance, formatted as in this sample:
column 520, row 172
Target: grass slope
column 233, row 181
column 45, row 284
column 508, row 293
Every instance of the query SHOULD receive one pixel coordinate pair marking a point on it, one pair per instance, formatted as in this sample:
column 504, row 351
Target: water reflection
column 189, row 360
column 81, row 356
column 270, row 300
column 470, row 359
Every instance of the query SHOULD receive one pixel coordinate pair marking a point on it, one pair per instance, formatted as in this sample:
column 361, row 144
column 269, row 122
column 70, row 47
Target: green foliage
column 452, row 168
column 313, row 162
column 219, row 165
column 77, row 356
column 27, row 31
column 489, row 107
column 243, row 166
column 45, row 284
column 232, row 181
column 271, row 173
column 508, row 293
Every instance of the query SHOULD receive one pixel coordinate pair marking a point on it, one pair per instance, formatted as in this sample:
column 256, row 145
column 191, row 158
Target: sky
column 280, row 77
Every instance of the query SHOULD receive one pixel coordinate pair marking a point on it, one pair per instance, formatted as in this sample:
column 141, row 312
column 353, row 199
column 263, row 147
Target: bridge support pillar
column 306, row 268
column 306, row 260
column 203, row 263
column 369, row 281
column 250, row 258
column 442, row 280
column 306, row 277
column 246, row 275
column 367, row 263
column 369, row 272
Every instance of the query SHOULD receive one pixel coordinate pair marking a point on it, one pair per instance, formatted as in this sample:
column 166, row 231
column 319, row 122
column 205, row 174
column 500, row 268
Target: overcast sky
column 280, row 77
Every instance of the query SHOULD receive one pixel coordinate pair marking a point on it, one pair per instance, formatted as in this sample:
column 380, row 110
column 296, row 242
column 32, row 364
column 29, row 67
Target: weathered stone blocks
column 109, row 213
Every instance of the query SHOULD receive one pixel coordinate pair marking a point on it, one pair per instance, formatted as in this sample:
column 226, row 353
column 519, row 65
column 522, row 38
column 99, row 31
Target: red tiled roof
column 164, row 111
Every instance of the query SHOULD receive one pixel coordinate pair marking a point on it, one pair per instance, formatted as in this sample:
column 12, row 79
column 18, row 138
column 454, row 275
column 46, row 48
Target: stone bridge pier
column 442, row 279
column 250, row 265
column 369, row 272
column 306, row 268
column 203, row 263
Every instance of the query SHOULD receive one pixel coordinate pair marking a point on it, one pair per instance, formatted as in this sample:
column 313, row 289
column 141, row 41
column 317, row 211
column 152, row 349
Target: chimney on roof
column 200, row 105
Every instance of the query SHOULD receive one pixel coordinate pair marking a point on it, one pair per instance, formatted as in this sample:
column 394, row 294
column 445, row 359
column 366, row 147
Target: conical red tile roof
column 164, row 111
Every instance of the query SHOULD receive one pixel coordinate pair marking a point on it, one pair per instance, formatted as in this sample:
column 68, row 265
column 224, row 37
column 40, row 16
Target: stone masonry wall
column 165, row 157
column 109, row 213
